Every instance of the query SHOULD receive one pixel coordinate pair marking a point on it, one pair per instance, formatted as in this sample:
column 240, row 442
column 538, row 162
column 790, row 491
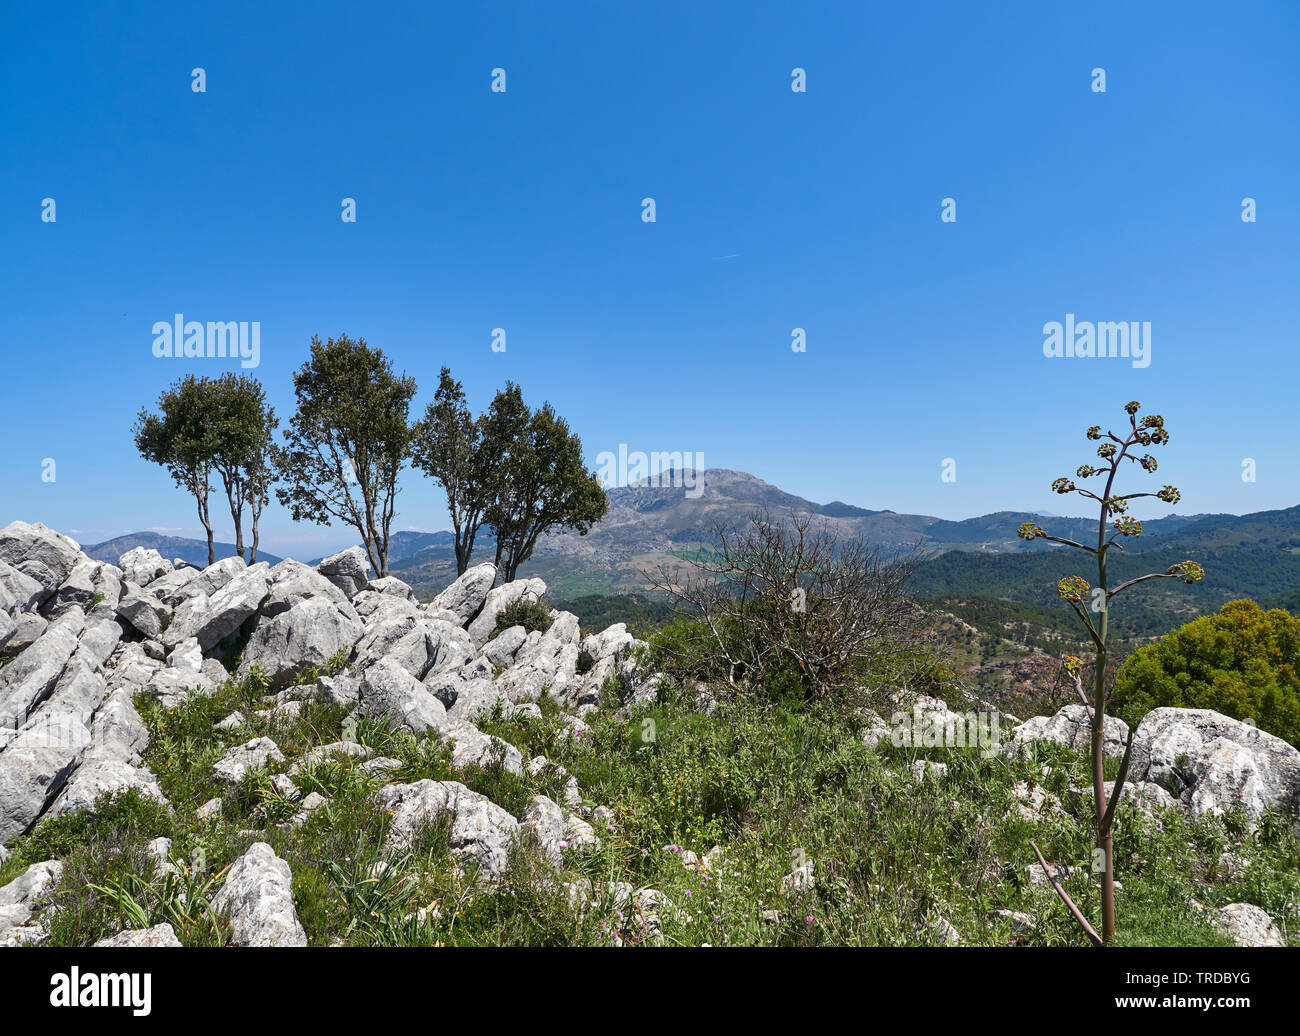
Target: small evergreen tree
column 448, row 446
column 542, row 483
column 182, row 437
column 347, row 442
column 1243, row 662
column 242, row 430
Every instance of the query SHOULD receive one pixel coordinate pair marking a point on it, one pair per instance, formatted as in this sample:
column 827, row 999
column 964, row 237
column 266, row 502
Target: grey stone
column 1248, row 925
column 159, row 935
column 304, row 636
column 389, row 692
column 217, row 575
column 19, row 592
column 141, row 565
column 143, row 611
column 43, row 554
column 333, row 750
column 500, row 598
column 474, row 748
column 1072, row 727
column 210, row 810
column 28, row 627
column 78, row 589
column 477, row 697
column 338, row 690
column 349, row 570
column 258, row 899
column 391, row 586
column 31, row 890
column 465, row 596
column 481, row 831
column 26, row 680
column 502, row 649
column 212, row 619
column 174, row 587
column 292, row 583
column 1212, row 763
column 102, row 772
column 256, row 754
column 172, row 686
column 612, row 643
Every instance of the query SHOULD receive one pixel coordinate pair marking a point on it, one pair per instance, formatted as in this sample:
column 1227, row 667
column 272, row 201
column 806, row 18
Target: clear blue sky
column 522, row 210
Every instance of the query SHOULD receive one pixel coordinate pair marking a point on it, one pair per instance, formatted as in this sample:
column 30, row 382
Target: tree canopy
column 448, row 446
column 347, row 442
column 1243, row 662
column 181, row 437
column 541, row 482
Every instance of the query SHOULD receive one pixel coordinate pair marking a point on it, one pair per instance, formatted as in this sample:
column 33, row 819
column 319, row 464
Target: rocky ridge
column 85, row 637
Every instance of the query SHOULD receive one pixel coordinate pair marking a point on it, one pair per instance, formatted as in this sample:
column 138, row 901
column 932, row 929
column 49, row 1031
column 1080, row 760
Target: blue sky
column 522, row 210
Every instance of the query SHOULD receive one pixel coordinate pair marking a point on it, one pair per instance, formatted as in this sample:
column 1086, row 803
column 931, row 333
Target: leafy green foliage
column 207, row 425
column 128, row 815
column 542, row 483
column 533, row 616
column 183, row 438
column 1243, row 662
column 242, row 429
column 347, row 441
column 460, row 454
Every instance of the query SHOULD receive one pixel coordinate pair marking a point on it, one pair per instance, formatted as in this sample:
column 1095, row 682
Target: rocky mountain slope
column 652, row 525
column 279, row 755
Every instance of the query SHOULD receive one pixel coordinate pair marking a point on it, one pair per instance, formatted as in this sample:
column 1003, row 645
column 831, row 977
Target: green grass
column 771, row 785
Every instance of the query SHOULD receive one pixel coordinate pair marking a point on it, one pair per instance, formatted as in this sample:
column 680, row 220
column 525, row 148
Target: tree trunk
column 207, row 525
column 234, row 487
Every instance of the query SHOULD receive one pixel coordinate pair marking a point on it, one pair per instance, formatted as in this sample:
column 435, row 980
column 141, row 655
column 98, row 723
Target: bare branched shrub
column 785, row 605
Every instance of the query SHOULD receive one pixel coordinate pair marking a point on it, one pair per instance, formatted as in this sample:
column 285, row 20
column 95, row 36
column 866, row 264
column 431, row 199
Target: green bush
column 1241, row 662
column 531, row 615
column 127, row 815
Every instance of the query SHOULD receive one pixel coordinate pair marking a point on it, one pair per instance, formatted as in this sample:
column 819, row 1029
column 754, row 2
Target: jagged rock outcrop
column 142, row 565
column 86, row 639
column 306, row 635
column 42, row 554
column 1211, row 762
column 498, row 599
column 349, row 570
column 258, row 898
column 211, row 618
column 1072, row 727
column 1201, row 760
column 466, row 596
column 480, row 831
column 388, row 692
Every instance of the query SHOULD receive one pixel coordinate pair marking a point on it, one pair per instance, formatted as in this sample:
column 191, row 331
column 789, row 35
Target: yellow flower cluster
column 1072, row 588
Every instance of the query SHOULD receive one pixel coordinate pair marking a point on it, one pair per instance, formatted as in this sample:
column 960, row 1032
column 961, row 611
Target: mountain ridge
column 650, row 525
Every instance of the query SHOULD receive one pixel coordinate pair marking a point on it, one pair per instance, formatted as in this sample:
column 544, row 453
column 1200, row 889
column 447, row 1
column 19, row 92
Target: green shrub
column 128, row 816
column 531, row 615
column 1243, row 662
